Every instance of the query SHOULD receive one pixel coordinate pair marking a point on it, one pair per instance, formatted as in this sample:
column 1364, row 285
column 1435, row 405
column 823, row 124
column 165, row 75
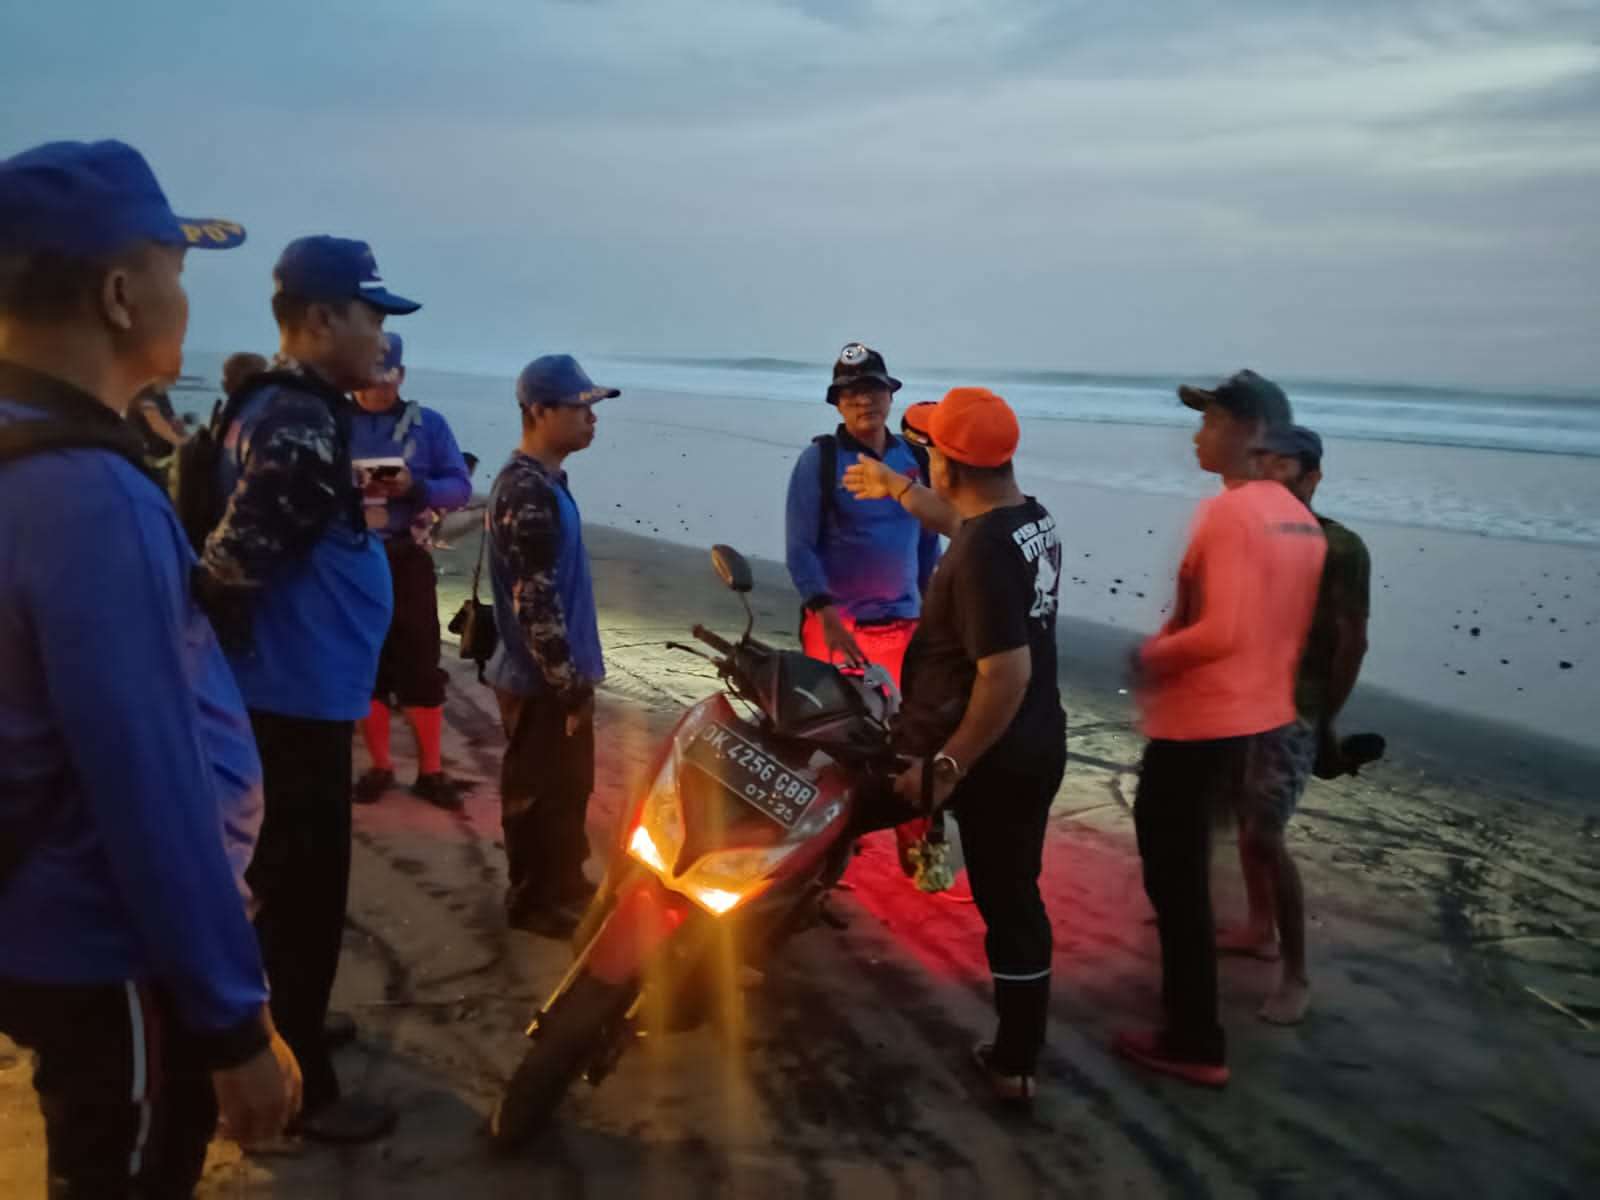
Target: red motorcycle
column 744, row 827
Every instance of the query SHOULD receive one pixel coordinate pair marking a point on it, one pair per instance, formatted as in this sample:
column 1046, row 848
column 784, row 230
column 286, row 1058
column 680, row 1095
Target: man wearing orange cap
column 982, row 708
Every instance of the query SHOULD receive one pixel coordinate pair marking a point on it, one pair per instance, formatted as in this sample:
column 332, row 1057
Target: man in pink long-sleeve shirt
column 1220, row 671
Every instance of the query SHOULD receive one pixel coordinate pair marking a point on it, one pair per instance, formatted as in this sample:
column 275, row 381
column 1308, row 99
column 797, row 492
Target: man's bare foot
column 1288, row 1003
column 1252, row 942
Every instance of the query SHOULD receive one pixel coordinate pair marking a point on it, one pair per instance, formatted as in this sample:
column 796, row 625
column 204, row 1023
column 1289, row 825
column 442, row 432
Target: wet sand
column 1452, row 1047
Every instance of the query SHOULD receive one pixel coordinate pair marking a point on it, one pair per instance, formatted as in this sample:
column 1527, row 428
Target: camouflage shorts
column 1280, row 762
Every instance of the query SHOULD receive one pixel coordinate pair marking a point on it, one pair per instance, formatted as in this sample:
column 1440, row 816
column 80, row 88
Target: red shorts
column 882, row 642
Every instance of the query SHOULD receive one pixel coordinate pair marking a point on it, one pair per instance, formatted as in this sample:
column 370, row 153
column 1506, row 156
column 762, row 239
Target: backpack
column 827, row 445
column 18, row 440
column 197, row 493
column 828, row 472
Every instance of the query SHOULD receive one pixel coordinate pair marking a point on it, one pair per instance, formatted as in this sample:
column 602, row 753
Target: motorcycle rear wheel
column 571, row 1035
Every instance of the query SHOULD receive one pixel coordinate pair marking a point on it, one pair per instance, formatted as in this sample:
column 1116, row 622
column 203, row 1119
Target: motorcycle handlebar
column 720, row 645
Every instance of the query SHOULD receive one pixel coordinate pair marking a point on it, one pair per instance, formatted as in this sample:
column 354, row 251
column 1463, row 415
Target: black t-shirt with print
column 995, row 589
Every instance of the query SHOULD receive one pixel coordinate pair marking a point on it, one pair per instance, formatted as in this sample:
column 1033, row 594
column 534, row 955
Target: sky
column 1397, row 190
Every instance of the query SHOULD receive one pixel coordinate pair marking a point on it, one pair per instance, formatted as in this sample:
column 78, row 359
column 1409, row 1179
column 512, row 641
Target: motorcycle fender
column 644, row 919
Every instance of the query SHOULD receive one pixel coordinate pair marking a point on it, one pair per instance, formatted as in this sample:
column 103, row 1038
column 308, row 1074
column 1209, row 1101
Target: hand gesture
column 839, row 640
column 869, row 479
column 908, row 786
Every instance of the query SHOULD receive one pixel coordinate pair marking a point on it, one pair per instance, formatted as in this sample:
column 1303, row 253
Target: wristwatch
column 947, row 768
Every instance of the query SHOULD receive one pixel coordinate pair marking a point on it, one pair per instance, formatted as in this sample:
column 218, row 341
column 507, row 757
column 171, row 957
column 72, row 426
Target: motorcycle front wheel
column 570, row 1036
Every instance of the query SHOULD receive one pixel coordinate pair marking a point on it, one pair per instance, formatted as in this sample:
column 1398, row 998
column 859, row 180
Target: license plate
column 752, row 774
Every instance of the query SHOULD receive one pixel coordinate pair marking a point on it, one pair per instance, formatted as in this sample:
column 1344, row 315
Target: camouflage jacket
column 541, row 580
column 290, row 472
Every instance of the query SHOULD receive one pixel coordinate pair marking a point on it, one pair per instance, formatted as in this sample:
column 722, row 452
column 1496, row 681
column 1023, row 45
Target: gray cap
column 1247, row 395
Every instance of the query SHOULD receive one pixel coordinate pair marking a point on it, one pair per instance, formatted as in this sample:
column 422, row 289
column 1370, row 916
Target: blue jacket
column 122, row 728
column 293, row 538
column 543, row 594
column 870, row 557
column 423, row 438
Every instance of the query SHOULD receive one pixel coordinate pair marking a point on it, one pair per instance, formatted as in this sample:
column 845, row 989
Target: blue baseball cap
column 557, row 381
column 1292, row 441
column 332, row 268
column 86, row 199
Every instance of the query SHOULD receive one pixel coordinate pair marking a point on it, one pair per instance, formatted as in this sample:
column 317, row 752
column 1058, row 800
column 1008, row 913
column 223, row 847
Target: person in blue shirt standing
column 401, row 502
column 860, row 567
column 548, row 662
column 130, row 792
column 292, row 547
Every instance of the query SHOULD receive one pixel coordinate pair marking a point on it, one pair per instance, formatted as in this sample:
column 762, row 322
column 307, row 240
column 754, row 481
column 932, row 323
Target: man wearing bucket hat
column 292, row 549
column 548, row 661
column 860, row 569
column 982, row 711
column 130, row 792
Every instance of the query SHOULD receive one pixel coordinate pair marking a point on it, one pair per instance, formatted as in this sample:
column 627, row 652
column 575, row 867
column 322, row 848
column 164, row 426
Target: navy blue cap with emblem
column 1292, row 441
column 557, row 381
column 334, row 268
column 88, row 199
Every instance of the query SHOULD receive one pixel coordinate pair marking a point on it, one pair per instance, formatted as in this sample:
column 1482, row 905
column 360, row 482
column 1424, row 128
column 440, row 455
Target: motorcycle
column 744, row 826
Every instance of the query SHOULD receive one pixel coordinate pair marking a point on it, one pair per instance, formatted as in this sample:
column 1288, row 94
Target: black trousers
column 301, row 879
column 545, row 781
column 1180, row 786
column 408, row 667
column 1003, row 809
column 127, row 1100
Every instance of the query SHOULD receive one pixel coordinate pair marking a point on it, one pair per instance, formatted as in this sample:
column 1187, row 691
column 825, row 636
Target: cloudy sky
column 1376, row 189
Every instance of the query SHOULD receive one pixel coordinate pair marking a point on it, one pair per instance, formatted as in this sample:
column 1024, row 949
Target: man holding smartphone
column 413, row 469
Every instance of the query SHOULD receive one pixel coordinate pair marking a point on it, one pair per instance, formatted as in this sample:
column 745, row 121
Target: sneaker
column 348, row 1121
column 1014, row 1091
column 439, row 790
column 372, row 785
column 577, row 891
column 1147, row 1050
column 550, row 921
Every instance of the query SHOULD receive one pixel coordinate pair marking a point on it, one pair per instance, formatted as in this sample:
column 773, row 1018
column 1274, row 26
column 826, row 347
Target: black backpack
column 828, row 472
column 196, row 484
column 64, row 430
column 827, row 445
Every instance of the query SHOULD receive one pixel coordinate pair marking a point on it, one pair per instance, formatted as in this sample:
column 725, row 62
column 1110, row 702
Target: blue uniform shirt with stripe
column 871, row 557
column 120, row 719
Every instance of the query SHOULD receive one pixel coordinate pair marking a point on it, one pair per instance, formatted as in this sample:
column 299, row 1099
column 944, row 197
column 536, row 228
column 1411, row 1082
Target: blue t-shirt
column 870, row 557
column 122, row 728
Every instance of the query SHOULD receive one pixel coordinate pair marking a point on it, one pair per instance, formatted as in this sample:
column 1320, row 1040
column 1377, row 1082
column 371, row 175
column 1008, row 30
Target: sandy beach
column 1453, row 1047
column 1499, row 626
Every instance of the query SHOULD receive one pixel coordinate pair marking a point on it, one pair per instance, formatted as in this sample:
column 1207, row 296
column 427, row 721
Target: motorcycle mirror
column 732, row 569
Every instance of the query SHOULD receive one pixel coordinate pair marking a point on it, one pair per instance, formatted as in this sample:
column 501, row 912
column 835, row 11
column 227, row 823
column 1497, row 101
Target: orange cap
column 971, row 425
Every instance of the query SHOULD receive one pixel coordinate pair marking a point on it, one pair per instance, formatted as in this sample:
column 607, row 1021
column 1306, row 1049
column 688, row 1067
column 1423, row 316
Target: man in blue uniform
column 548, row 662
column 401, row 503
column 293, row 544
column 130, row 792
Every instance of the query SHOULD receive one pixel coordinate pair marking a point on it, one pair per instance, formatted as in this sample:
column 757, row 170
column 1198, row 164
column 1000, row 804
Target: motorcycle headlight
column 659, row 831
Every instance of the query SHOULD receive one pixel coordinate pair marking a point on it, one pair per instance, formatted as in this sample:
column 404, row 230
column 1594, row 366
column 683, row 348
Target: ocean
column 1499, row 491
